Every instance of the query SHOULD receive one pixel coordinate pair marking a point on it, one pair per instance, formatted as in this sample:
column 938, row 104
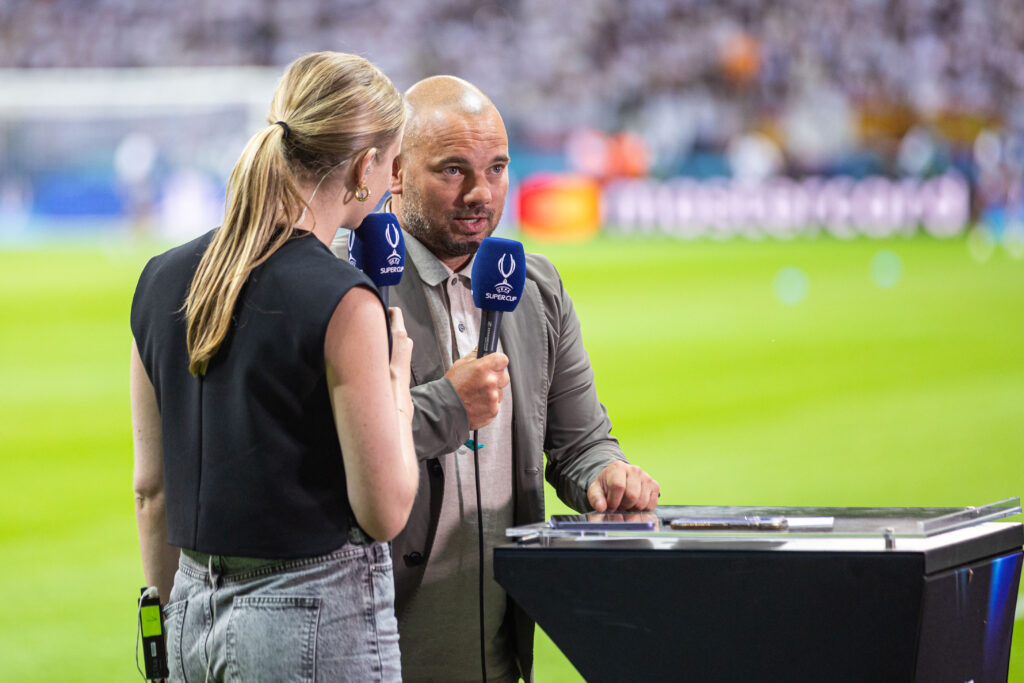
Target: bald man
column 535, row 395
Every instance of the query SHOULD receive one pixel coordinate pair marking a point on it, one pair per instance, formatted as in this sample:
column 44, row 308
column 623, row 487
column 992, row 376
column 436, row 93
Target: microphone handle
column 490, row 321
column 384, row 295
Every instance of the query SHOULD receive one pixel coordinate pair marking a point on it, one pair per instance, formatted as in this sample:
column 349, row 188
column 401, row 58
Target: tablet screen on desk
column 606, row 521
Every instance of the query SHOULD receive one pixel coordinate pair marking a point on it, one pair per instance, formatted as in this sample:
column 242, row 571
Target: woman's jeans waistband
column 236, row 568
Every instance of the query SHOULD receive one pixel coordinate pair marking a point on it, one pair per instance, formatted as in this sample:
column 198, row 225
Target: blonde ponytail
column 333, row 106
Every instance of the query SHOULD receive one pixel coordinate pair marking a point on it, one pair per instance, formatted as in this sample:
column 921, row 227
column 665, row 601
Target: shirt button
column 462, row 327
column 455, row 281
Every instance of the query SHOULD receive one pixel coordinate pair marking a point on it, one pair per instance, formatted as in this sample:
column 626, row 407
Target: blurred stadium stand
column 114, row 109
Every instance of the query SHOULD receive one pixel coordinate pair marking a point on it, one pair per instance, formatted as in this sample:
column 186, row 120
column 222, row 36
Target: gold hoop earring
column 362, row 193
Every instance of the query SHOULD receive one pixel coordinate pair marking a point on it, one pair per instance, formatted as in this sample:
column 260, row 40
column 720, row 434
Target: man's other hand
column 479, row 383
column 623, row 487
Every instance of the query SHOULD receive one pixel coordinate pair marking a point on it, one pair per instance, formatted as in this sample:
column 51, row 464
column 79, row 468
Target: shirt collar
column 430, row 268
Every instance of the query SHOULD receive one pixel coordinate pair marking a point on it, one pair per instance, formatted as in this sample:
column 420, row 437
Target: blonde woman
column 272, row 433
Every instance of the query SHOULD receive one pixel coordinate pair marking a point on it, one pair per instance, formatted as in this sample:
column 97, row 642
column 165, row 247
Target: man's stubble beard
column 435, row 238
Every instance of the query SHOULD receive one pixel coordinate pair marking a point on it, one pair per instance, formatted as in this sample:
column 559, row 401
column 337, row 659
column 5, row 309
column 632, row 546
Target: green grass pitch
column 853, row 393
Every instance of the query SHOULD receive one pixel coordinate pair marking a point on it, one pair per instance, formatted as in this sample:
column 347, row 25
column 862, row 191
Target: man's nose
column 478, row 192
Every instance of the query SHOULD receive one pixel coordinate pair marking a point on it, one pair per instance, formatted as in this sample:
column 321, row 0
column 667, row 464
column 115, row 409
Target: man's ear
column 397, row 174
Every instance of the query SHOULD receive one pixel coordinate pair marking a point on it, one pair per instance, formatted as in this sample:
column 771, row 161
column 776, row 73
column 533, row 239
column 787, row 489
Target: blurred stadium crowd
column 641, row 88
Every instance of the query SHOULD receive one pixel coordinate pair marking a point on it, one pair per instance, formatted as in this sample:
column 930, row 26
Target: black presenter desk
column 831, row 594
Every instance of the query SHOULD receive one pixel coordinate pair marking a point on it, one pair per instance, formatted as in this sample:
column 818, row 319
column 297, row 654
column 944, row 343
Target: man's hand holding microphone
column 479, row 383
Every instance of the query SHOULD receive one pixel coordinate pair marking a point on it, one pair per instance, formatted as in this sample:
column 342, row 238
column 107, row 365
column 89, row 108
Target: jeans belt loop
column 357, row 536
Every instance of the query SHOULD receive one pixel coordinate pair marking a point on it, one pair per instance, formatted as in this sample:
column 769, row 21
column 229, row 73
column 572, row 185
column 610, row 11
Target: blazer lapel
column 524, row 341
column 524, row 354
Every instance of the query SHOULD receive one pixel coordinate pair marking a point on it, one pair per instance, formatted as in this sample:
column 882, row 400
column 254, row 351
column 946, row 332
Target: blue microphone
column 380, row 250
column 498, row 279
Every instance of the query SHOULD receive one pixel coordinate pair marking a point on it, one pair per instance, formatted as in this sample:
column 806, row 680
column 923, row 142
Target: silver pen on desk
column 747, row 522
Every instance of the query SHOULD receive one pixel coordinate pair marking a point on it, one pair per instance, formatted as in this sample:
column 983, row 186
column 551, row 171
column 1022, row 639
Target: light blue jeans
column 327, row 618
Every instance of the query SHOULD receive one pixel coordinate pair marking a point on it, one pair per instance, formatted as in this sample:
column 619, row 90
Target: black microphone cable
column 494, row 319
column 480, row 538
column 497, row 261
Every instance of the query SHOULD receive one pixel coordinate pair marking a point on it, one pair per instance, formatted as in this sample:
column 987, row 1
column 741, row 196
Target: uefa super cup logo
column 392, row 235
column 504, row 287
column 351, row 243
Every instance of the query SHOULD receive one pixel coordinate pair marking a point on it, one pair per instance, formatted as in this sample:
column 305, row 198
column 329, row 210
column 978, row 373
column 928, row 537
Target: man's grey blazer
column 555, row 411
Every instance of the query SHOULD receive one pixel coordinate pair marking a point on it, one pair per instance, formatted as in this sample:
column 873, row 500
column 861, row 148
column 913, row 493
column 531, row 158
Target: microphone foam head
column 499, row 274
column 383, row 248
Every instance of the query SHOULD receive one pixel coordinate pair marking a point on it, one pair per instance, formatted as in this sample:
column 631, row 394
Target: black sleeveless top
column 252, row 464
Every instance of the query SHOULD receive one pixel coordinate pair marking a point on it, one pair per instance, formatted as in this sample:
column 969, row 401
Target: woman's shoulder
column 306, row 255
column 305, row 264
column 165, row 273
column 185, row 255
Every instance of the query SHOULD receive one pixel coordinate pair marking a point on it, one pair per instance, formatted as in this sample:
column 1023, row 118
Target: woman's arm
column 159, row 560
column 372, row 411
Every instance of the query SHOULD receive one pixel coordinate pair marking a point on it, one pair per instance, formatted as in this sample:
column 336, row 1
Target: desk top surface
column 944, row 537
